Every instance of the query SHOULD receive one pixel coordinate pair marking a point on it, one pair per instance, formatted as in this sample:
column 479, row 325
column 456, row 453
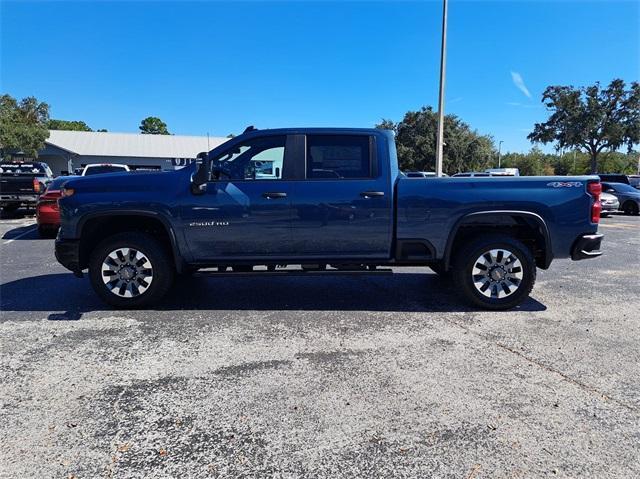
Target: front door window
column 257, row 159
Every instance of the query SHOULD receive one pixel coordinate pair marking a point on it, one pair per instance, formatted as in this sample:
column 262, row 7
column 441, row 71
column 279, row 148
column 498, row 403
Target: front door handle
column 272, row 195
column 371, row 194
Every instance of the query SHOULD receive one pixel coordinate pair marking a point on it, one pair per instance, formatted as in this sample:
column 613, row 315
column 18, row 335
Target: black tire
column 471, row 257
column 630, row 208
column 162, row 270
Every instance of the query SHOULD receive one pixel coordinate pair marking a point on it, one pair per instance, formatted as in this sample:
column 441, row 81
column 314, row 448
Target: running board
column 297, row 272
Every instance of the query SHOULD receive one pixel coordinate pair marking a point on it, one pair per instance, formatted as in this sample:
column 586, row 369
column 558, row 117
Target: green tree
column 153, row 126
column 23, row 125
column 533, row 163
column 591, row 118
column 465, row 149
column 68, row 125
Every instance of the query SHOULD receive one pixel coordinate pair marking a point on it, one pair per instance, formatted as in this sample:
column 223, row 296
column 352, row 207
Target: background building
column 68, row 150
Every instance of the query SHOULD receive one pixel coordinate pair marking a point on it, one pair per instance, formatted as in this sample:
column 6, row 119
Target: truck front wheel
column 495, row 272
column 130, row 270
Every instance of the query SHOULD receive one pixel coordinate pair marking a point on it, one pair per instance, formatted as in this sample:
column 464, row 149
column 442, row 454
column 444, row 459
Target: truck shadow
column 401, row 292
column 16, row 233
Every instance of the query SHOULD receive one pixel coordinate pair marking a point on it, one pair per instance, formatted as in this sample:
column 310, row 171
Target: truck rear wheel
column 631, row 208
column 495, row 272
column 130, row 270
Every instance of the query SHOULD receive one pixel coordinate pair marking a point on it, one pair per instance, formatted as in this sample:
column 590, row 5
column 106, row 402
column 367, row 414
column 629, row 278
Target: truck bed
column 431, row 208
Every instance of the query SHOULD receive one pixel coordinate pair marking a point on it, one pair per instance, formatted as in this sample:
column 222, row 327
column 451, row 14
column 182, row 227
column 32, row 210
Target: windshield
column 22, row 169
column 634, row 181
column 97, row 170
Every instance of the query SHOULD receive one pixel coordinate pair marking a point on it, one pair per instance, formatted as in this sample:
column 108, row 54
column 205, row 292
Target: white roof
column 94, row 143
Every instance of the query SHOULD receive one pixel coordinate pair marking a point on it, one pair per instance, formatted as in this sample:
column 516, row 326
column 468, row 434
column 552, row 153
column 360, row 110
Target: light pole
column 443, row 66
column 499, row 148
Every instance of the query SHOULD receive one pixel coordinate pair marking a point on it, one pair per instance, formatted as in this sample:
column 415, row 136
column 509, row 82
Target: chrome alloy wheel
column 127, row 272
column 497, row 273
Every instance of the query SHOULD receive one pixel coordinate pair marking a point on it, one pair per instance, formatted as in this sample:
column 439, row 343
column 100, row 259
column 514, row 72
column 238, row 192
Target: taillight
column 594, row 190
column 36, row 185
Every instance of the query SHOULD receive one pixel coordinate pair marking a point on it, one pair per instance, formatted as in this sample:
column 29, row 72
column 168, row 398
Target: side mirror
column 201, row 176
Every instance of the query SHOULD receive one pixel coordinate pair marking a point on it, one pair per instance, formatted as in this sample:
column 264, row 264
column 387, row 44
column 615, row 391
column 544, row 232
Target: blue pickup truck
column 320, row 201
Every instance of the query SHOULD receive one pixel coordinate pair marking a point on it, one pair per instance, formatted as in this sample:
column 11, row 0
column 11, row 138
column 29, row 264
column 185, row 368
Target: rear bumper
column 587, row 246
column 46, row 215
column 8, row 199
column 68, row 255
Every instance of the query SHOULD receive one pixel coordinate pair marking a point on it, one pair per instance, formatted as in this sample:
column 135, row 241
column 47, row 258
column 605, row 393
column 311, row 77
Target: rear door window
column 99, row 170
column 333, row 157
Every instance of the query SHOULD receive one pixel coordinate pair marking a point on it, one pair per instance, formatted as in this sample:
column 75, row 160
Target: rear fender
column 479, row 215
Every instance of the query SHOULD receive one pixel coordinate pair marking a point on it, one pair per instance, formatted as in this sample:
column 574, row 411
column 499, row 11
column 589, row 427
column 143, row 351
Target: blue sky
column 219, row 66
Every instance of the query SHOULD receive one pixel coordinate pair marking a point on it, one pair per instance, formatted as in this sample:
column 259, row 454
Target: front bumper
column 587, row 246
column 68, row 255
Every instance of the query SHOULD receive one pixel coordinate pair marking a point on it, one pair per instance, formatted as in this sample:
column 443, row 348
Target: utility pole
column 499, row 148
column 443, row 67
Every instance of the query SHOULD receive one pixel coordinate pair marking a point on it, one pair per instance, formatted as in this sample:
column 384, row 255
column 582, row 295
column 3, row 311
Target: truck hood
column 129, row 181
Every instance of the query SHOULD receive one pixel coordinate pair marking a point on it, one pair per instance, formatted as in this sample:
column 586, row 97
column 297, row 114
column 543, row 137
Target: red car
column 47, row 212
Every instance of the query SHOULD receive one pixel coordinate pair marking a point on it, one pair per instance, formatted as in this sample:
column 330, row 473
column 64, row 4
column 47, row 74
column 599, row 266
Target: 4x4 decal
column 565, row 184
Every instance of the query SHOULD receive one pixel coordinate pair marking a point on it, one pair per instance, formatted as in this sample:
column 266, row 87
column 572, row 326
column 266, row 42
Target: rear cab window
column 30, row 169
column 336, row 157
column 101, row 169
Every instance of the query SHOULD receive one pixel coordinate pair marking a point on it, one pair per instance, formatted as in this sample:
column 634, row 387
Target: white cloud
column 519, row 83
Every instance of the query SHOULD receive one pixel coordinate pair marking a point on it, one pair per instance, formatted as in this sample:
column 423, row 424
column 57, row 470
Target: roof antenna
column 208, row 142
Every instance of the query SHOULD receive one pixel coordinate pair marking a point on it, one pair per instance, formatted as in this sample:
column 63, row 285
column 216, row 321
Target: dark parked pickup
column 21, row 183
column 332, row 201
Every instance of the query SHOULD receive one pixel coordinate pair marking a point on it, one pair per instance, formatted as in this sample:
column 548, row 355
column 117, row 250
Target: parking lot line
column 619, row 225
column 20, row 235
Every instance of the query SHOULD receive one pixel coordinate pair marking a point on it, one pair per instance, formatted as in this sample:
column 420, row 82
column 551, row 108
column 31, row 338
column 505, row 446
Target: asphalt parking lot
column 321, row 377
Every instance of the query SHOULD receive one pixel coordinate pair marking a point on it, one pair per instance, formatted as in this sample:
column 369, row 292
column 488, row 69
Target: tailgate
column 16, row 185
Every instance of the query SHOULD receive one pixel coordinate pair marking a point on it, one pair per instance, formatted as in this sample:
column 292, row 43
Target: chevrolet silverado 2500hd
column 328, row 201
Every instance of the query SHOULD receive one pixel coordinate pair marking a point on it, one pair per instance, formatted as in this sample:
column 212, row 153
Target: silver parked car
column 627, row 195
column 609, row 203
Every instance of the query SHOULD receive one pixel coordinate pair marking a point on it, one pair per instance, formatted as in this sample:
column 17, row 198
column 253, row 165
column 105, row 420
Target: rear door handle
column 272, row 195
column 371, row 194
